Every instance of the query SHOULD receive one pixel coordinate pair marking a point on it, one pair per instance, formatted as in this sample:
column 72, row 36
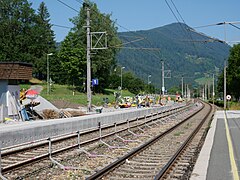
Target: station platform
column 219, row 158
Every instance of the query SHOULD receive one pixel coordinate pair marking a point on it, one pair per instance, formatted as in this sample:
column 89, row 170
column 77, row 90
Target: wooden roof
column 15, row 70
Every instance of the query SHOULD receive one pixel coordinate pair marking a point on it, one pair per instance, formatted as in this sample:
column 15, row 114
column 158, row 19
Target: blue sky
column 147, row 14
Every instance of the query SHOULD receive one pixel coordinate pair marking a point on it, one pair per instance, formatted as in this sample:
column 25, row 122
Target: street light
column 50, row 54
column 121, row 78
column 149, row 82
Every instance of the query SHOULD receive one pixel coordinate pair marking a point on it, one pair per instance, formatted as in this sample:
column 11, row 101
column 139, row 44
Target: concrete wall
column 12, row 134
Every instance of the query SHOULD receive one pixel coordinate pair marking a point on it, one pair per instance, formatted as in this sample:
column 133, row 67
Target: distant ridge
column 185, row 52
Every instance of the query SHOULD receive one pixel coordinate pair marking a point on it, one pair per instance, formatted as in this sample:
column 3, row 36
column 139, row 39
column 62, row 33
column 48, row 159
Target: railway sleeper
column 141, row 167
column 177, row 175
column 153, row 154
column 15, row 159
column 182, row 167
column 144, row 163
column 138, row 171
column 149, row 175
column 178, row 171
column 117, row 178
column 150, row 158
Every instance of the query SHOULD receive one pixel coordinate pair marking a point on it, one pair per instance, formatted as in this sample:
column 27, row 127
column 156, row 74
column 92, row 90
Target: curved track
column 155, row 159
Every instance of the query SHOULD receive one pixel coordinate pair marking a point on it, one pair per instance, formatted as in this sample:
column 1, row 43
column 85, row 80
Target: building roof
column 15, row 70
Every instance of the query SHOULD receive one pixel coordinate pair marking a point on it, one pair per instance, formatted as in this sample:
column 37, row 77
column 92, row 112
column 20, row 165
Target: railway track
column 166, row 156
column 63, row 152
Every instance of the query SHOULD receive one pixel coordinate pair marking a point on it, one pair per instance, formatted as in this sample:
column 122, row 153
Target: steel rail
column 46, row 155
column 164, row 170
column 44, row 142
column 121, row 160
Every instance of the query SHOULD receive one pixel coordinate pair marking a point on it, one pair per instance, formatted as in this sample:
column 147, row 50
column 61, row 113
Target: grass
column 234, row 105
column 64, row 92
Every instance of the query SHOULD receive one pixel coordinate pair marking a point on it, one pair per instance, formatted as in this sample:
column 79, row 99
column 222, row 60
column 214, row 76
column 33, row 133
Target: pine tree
column 26, row 36
column 233, row 71
column 16, row 21
column 44, row 42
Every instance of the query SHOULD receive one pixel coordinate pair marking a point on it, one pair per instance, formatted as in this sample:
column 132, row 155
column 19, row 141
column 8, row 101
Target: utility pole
column 163, row 88
column 203, row 93
column 122, row 78
column 213, row 93
column 225, row 73
column 205, row 86
column 225, row 85
column 182, row 86
column 95, row 41
column 185, row 94
column 89, row 93
column 209, row 90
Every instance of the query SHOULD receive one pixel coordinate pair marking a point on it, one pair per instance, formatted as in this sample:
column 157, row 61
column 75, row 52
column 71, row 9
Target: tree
column 16, row 21
column 24, row 35
column 72, row 61
column 233, row 71
column 174, row 90
column 220, row 85
column 44, row 42
column 102, row 60
column 133, row 84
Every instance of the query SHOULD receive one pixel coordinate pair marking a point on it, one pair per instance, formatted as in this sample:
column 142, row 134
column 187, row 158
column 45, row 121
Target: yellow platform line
column 230, row 148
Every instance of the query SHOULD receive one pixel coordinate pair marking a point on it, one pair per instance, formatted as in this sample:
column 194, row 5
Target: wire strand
column 68, row 6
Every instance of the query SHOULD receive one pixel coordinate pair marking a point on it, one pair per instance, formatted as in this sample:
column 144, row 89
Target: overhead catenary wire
column 186, row 31
column 67, row 27
column 81, row 2
column 148, row 50
column 234, row 26
column 128, row 42
column 222, row 23
column 139, row 37
column 68, row 6
column 140, row 48
column 217, row 24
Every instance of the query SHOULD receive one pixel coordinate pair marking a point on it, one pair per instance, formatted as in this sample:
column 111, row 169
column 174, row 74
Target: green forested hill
column 185, row 52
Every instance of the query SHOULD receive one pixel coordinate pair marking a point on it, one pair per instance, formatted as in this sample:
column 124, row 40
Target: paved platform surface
column 219, row 158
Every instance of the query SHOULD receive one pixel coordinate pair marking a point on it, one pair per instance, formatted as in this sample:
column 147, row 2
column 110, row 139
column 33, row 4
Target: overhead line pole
column 225, row 84
column 163, row 88
column 182, row 87
column 213, row 94
column 225, row 74
column 89, row 93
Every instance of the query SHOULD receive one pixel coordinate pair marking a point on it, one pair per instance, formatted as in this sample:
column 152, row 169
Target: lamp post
column 149, row 82
column 121, row 78
column 50, row 54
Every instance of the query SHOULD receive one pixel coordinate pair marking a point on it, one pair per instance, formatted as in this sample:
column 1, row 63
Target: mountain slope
column 185, row 52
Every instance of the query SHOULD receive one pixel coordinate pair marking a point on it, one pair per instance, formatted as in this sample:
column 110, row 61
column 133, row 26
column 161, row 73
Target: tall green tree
column 102, row 60
column 44, row 42
column 26, row 36
column 72, row 61
column 16, row 21
column 233, row 73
